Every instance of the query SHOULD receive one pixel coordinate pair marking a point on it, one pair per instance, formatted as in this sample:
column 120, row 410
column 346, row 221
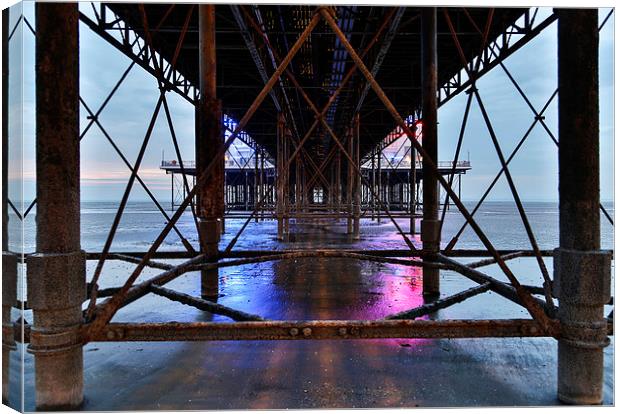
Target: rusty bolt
column 110, row 334
column 355, row 331
column 307, row 331
column 342, row 331
column 294, row 331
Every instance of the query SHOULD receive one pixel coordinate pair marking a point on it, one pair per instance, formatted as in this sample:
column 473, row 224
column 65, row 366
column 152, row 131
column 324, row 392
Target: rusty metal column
column 338, row 189
column 57, row 271
column 582, row 272
column 9, row 259
column 287, row 179
column 350, row 178
column 245, row 191
column 305, row 190
column 430, row 223
column 332, row 185
column 208, row 141
column 412, row 189
column 297, row 186
column 373, row 186
column 261, row 185
column 280, row 176
column 255, row 188
column 379, row 185
column 357, row 187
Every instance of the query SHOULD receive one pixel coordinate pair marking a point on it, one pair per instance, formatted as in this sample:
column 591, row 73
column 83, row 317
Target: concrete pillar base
column 580, row 374
column 56, row 290
column 582, row 283
column 59, row 379
column 280, row 235
column 412, row 227
column 9, row 295
column 210, row 232
column 429, row 230
column 356, row 227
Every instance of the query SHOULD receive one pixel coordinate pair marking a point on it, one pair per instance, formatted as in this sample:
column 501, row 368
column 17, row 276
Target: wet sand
column 318, row 374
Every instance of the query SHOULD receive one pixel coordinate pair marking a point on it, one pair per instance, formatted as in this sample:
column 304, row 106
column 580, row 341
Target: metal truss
column 516, row 292
column 129, row 292
column 291, row 153
column 517, row 35
column 125, row 39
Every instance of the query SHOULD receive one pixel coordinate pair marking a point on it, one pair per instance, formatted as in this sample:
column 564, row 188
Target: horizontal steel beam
column 309, row 330
column 285, row 330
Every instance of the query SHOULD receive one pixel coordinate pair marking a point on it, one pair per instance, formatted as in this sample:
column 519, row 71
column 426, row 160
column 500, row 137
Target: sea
column 143, row 221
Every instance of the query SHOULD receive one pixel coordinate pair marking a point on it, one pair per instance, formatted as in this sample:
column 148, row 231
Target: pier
column 298, row 241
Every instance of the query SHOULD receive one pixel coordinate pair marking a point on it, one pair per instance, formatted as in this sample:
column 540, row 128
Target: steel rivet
column 307, row 331
column 294, row 331
column 342, row 331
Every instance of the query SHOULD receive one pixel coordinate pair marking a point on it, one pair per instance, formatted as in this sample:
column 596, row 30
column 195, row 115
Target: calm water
column 142, row 222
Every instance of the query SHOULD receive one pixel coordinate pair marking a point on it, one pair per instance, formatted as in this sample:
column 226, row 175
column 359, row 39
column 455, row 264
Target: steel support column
column 357, row 185
column 373, row 185
column 430, row 223
column 350, row 179
column 261, row 185
column 208, row 143
column 280, row 176
column 412, row 187
column 56, row 273
column 379, row 185
column 582, row 272
column 255, row 200
column 288, row 137
column 297, row 185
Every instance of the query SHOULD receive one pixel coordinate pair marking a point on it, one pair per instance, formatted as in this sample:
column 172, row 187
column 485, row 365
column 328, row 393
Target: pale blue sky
column 128, row 114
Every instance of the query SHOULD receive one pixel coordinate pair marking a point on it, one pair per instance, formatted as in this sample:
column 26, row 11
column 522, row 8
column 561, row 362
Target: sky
column 104, row 175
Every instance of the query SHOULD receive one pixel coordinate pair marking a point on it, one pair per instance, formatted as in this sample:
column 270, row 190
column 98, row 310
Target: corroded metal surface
column 292, row 330
column 429, row 226
column 56, row 273
column 582, row 272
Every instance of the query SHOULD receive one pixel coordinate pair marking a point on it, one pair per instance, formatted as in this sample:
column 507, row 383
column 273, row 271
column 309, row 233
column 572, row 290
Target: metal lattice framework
column 341, row 162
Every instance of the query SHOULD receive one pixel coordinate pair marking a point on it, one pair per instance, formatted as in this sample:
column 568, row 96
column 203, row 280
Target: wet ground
column 318, row 374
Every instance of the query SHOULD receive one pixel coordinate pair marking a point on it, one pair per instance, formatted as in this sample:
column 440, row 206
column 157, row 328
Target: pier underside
column 316, row 272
